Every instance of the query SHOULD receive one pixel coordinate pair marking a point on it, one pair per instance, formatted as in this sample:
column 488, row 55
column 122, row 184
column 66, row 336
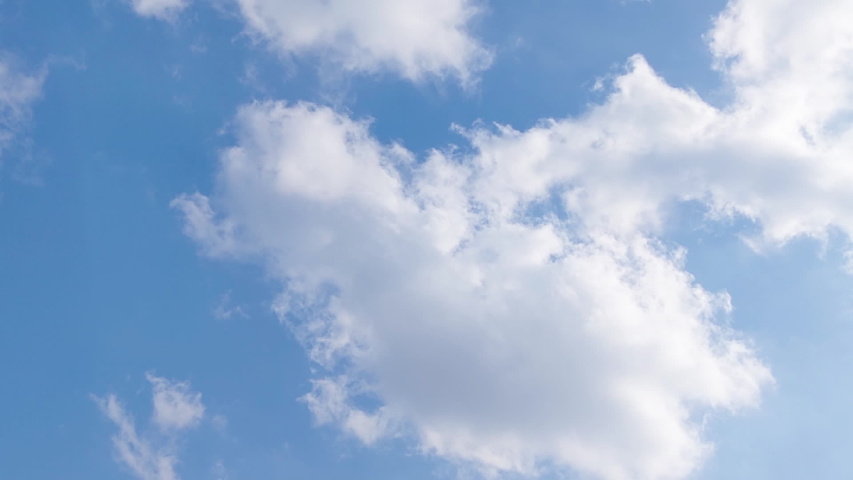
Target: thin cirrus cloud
column 176, row 409
column 515, row 306
column 225, row 310
column 18, row 91
column 167, row 10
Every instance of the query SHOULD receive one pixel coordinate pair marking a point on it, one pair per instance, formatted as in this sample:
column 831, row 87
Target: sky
column 426, row 239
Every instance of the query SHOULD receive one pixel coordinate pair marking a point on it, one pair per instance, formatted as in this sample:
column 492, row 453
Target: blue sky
column 261, row 239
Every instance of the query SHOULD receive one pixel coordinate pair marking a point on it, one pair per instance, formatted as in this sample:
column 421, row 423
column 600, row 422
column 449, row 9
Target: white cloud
column 160, row 9
column 492, row 337
column 514, row 307
column 329, row 402
column 414, row 38
column 18, row 91
column 791, row 66
column 146, row 462
column 176, row 408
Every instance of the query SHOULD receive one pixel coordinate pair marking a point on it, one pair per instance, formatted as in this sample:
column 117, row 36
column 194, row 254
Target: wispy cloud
column 138, row 454
column 18, row 92
column 176, row 408
column 219, row 471
column 226, row 310
column 167, row 10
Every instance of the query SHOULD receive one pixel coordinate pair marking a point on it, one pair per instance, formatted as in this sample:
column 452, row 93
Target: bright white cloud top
column 414, row 38
column 512, row 307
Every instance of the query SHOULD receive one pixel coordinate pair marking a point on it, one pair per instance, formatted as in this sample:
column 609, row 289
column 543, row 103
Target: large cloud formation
column 413, row 38
column 513, row 307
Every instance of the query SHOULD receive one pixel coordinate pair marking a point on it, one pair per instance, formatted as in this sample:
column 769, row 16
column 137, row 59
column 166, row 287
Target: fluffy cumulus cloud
column 160, row 9
column 18, row 91
column 491, row 336
column 513, row 306
column 415, row 38
column 176, row 408
column 789, row 129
